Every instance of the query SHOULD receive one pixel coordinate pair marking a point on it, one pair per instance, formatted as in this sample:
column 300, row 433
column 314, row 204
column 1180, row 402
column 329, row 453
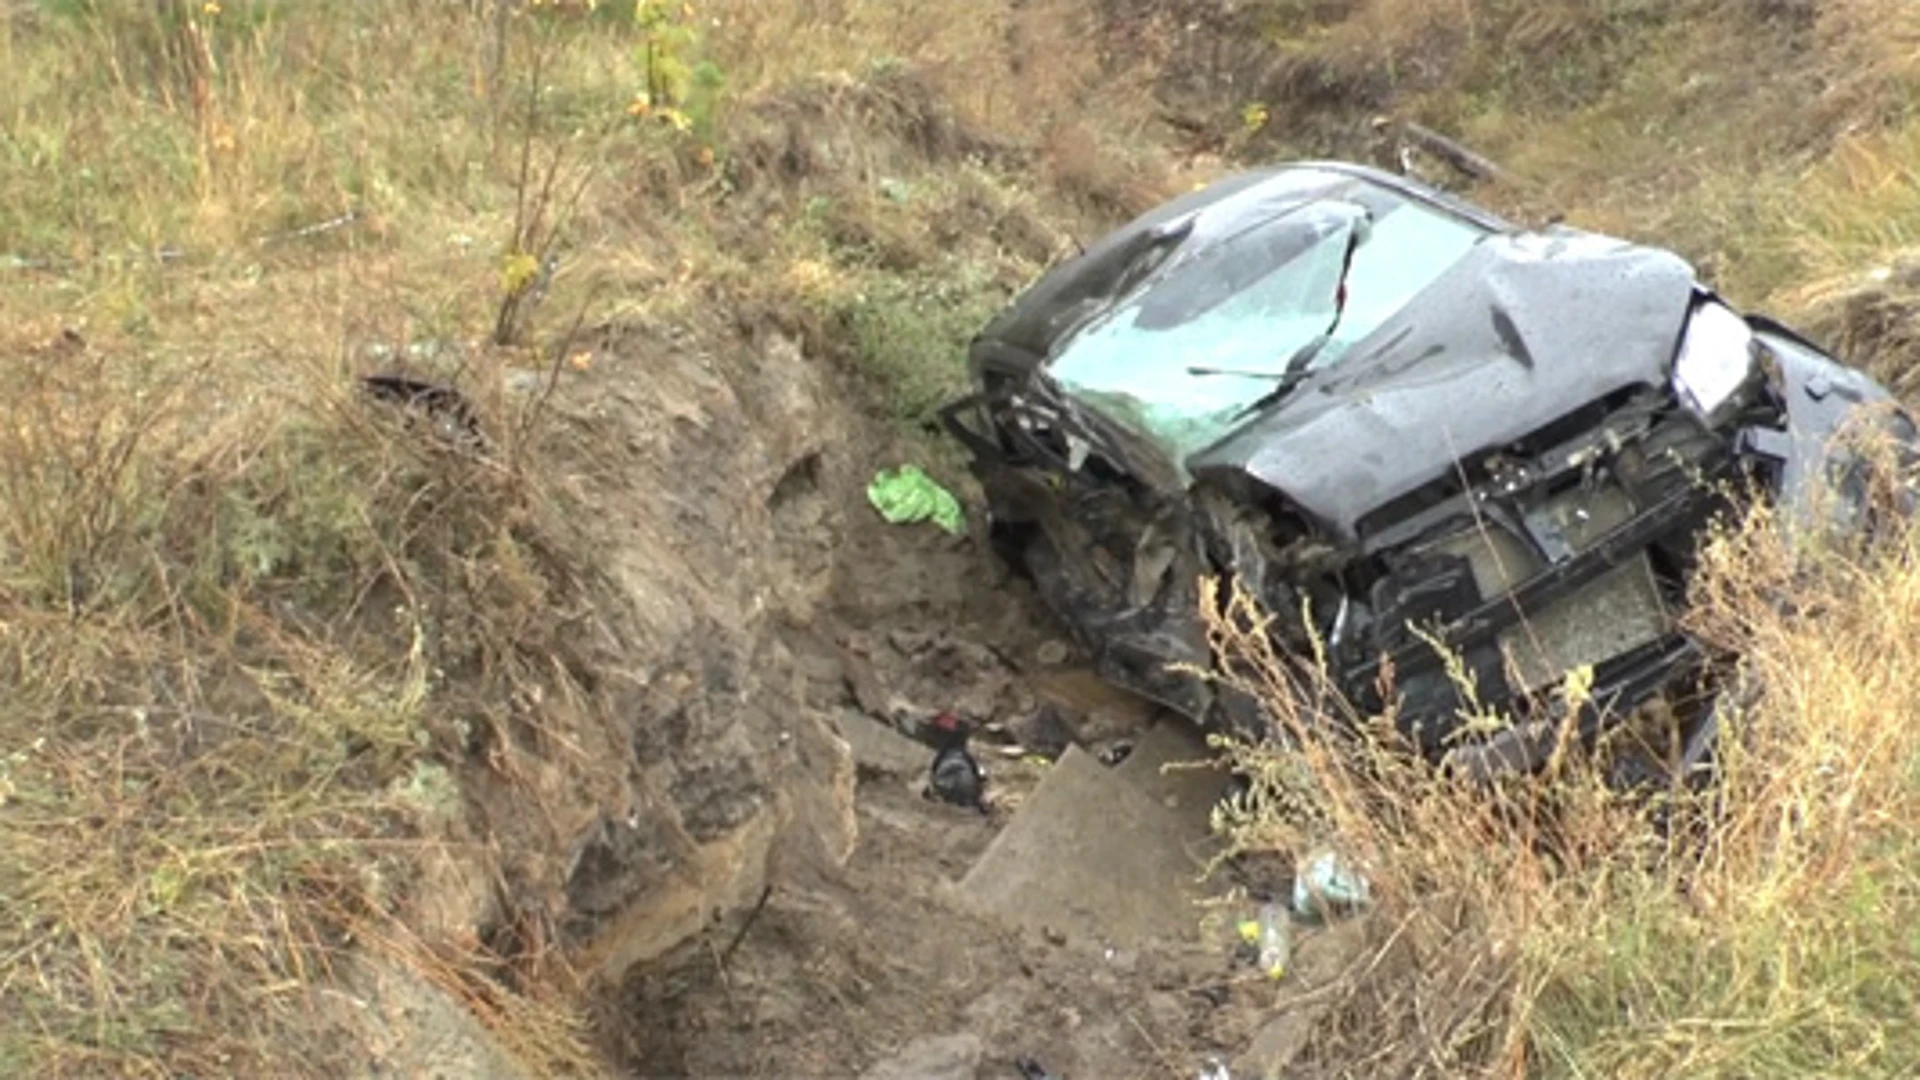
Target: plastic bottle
column 1276, row 939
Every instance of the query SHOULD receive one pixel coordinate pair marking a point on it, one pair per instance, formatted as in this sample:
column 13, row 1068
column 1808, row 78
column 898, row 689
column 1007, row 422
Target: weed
column 1534, row 923
column 678, row 86
column 910, row 335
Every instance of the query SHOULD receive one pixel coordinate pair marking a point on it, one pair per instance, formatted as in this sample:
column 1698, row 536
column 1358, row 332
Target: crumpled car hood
column 1526, row 329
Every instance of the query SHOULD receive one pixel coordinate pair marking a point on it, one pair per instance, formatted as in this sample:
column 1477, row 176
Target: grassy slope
column 1770, row 140
column 228, row 596
column 243, row 618
column 224, row 594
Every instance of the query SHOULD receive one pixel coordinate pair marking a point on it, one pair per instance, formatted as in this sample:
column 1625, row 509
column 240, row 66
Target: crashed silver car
column 1410, row 429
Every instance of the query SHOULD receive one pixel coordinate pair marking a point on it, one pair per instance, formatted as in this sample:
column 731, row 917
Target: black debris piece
column 452, row 414
column 958, row 779
column 1031, row 1069
column 955, row 777
column 1047, row 732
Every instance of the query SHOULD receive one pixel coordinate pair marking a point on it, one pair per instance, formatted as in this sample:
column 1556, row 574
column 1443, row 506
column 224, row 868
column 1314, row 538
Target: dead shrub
column 1110, row 183
column 1532, row 926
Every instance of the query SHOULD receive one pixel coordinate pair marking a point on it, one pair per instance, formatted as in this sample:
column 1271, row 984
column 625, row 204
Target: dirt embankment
column 742, row 599
column 816, row 924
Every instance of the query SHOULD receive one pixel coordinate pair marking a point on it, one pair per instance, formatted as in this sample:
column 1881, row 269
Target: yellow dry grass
column 229, row 591
column 1767, row 929
column 239, row 610
column 1552, row 926
column 223, row 585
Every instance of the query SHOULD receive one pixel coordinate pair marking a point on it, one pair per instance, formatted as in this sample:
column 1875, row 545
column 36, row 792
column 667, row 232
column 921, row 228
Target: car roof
column 1027, row 330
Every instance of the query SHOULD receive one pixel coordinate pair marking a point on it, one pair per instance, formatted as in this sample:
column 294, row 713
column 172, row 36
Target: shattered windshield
column 1181, row 361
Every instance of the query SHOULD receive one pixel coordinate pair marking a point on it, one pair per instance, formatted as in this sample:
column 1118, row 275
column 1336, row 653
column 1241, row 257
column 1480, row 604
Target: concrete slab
column 1092, row 856
column 1172, row 764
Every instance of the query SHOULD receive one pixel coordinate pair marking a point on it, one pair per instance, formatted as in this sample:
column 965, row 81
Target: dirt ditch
column 838, row 935
column 844, row 969
column 716, row 825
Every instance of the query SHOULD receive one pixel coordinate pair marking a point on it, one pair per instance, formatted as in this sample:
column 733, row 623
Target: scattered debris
column 909, row 495
column 753, row 916
column 1215, row 1069
column 1326, row 886
column 319, row 228
column 1268, row 940
column 955, row 776
column 1120, row 751
column 1047, row 732
column 1409, row 137
column 422, row 352
column 454, row 417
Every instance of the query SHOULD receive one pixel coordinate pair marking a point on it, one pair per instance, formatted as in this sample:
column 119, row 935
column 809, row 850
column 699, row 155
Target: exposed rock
column 879, row 749
column 400, row 1027
column 642, row 798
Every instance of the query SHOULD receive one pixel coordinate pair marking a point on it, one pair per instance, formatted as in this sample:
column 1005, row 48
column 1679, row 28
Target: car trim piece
column 1486, row 621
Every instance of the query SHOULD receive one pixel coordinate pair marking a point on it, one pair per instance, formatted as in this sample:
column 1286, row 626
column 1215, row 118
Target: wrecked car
column 1412, row 431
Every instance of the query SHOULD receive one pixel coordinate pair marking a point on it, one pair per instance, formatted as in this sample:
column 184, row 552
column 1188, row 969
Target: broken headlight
column 1716, row 358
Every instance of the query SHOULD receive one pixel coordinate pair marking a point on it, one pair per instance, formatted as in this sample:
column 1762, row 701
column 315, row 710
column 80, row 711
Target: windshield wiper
column 1300, row 365
column 1295, row 372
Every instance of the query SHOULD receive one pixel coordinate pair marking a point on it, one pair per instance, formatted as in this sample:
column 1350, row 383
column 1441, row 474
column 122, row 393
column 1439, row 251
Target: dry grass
column 1553, row 927
column 234, row 595
column 1765, row 139
column 224, row 634
column 240, row 611
column 252, row 627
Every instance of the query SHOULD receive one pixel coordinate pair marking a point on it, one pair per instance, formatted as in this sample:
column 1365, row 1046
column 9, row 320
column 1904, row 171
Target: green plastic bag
column 908, row 495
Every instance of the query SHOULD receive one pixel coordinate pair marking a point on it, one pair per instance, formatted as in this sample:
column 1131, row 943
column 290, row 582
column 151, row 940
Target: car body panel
column 1475, row 485
column 1527, row 329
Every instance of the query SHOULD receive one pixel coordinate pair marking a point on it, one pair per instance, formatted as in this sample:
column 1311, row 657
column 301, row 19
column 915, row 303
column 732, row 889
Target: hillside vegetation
column 247, row 621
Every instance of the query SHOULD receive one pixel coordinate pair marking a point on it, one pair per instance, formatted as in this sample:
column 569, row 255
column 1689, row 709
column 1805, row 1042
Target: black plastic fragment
column 446, row 406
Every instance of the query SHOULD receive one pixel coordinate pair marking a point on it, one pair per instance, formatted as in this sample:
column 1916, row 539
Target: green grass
column 909, row 335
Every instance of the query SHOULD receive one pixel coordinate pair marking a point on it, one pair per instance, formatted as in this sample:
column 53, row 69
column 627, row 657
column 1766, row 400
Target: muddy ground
column 847, row 969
